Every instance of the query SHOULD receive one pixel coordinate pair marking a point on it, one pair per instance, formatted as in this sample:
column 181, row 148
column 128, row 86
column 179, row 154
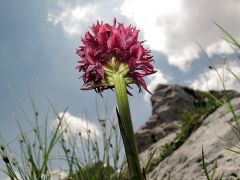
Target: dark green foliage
column 167, row 150
column 95, row 171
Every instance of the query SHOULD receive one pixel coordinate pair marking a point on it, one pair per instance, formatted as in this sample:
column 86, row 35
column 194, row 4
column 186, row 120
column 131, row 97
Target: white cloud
column 76, row 125
column 154, row 80
column 73, row 18
column 172, row 26
column 220, row 47
column 211, row 81
column 58, row 174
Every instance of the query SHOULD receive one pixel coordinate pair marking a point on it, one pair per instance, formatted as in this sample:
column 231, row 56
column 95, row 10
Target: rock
column 144, row 156
column 185, row 163
column 168, row 102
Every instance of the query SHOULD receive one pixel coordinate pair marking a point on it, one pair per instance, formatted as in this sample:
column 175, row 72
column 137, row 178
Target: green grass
column 45, row 150
column 226, row 101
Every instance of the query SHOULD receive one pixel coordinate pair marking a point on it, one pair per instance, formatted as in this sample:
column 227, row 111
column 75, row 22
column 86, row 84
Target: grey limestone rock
column 169, row 102
column 185, row 162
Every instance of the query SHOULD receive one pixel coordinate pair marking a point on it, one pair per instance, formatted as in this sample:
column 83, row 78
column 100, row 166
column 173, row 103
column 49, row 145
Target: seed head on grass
column 2, row 147
column 14, row 161
column 5, row 159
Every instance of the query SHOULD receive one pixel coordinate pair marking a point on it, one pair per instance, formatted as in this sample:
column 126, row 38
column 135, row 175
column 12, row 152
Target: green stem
column 125, row 116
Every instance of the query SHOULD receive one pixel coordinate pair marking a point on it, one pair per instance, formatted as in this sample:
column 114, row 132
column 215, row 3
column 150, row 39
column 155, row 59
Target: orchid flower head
column 110, row 49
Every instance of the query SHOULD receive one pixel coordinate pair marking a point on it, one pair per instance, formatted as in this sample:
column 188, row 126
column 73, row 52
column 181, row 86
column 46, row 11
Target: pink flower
column 110, row 49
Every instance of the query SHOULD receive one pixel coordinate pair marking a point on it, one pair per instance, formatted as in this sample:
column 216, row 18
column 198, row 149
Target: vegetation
column 48, row 151
column 226, row 101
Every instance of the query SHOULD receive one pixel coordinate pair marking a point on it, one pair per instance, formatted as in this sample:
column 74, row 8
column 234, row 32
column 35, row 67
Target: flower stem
column 127, row 132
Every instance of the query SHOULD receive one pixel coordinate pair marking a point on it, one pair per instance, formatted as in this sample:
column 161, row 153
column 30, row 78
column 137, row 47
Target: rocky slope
column 170, row 103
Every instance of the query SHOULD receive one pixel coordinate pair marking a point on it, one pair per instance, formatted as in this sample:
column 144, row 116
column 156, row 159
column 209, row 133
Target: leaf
column 231, row 38
column 150, row 160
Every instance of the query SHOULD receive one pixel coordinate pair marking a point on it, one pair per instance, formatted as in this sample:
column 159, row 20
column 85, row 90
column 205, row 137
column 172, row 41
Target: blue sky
column 38, row 40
